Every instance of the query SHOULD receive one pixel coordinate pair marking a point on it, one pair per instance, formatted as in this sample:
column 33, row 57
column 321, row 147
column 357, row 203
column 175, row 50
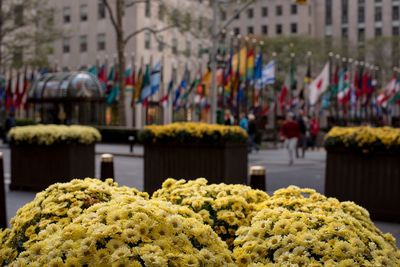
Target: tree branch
column 232, row 18
column 149, row 29
column 132, row 3
column 113, row 21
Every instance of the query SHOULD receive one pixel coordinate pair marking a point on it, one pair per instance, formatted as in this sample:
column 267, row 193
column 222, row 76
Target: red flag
column 102, row 76
column 364, row 83
column 18, row 92
column 9, row 93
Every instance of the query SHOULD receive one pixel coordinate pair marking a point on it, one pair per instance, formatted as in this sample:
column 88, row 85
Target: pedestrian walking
column 314, row 131
column 291, row 132
column 302, row 143
column 9, row 124
column 244, row 123
column 252, row 131
column 228, row 118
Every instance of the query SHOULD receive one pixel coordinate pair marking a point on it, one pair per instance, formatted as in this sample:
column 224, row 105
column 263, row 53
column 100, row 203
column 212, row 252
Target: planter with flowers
column 94, row 223
column 363, row 165
column 45, row 154
column 191, row 150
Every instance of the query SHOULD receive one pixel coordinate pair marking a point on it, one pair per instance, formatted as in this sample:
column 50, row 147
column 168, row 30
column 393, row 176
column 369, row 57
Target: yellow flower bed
column 299, row 227
column 224, row 207
column 51, row 134
column 363, row 137
column 192, row 132
column 94, row 223
column 60, row 204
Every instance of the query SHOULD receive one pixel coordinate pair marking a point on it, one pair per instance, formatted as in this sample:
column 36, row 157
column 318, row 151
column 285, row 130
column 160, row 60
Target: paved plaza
column 308, row 172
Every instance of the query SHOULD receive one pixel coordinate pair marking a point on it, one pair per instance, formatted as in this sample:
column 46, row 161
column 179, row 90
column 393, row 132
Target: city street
column 308, row 172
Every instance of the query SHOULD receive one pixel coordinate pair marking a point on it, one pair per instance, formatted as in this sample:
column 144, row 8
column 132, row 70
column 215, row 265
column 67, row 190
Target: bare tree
column 26, row 32
column 174, row 20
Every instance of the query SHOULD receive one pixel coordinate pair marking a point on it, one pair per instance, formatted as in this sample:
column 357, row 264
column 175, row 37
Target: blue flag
column 154, row 84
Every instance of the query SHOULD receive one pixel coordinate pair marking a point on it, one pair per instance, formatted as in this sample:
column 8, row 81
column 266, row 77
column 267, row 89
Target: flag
column 319, row 85
column 391, row 89
column 250, row 64
column 154, row 85
column 344, row 87
column 102, row 75
column 239, row 61
column 282, row 96
column 258, row 72
column 194, row 85
column 307, row 77
column 146, row 85
column 9, row 93
column 268, row 73
column 181, row 88
column 18, row 91
column 164, row 100
column 93, row 70
column 113, row 86
column 138, row 87
column 128, row 78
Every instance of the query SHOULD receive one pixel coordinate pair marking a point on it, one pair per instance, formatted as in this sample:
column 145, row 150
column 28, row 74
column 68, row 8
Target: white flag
column 319, row 85
column 268, row 73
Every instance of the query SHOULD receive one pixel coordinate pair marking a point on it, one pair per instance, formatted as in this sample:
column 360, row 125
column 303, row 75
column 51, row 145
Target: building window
column 237, row 15
column 66, row 46
column 66, row 15
column 83, row 43
column 395, row 13
column 200, row 51
column 147, row 9
column 264, row 11
column 328, row 12
column 378, row 13
column 345, row 33
column 19, row 15
column 250, row 30
column 293, row 28
column 101, row 10
column 396, row 30
column 101, row 42
column 250, row 13
column 237, row 31
column 361, row 11
column 188, row 51
column 279, row 10
column 278, row 29
column 361, row 34
column 84, row 12
column 345, row 11
column 264, row 29
column 175, row 46
column 161, row 11
column 378, row 31
column 293, row 9
column 147, row 40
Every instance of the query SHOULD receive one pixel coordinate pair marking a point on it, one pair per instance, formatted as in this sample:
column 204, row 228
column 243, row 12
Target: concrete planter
column 35, row 167
column 371, row 180
column 219, row 163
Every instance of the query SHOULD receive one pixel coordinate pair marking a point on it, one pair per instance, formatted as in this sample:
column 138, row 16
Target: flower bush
column 299, row 227
column 59, row 205
column 188, row 132
column 224, row 207
column 128, row 233
column 364, row 138
column 54, row 134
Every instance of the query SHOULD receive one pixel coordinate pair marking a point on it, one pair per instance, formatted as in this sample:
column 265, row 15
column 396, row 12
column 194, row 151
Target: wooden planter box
column 35, row 167
column 222, row 163
column 370, row 180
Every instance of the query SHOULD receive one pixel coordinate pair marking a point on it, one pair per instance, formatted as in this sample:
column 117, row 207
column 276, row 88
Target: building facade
column 355, row 20
column 89, row 38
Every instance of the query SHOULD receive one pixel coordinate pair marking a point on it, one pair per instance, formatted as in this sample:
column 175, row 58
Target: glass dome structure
column 67, row 98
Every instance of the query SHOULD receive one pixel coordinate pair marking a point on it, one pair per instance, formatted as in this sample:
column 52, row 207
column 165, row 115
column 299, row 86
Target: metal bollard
column 3, row 213
column 131, row 140
column 106, row 167
column 258, row 178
